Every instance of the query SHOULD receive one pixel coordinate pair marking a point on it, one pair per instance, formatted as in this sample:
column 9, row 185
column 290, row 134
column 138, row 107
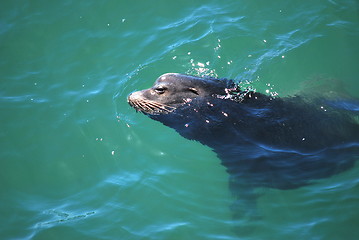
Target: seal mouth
column 148, row 106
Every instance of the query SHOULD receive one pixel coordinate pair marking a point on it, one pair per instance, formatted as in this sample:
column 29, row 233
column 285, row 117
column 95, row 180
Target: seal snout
column 147, row 106
column 135, row 96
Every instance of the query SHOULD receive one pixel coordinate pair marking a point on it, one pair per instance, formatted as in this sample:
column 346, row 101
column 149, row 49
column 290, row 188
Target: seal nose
column 133, row 96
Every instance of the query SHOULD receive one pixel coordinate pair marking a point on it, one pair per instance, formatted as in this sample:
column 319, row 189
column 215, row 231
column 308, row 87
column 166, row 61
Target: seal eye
column 193, row 90
column 160, row 90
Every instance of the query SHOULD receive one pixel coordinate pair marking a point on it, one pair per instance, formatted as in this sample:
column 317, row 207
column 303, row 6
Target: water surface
column 78, row 163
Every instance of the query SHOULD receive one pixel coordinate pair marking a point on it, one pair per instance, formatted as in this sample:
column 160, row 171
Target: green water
column 78, row 163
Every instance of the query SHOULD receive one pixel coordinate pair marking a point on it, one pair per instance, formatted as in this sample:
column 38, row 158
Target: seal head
column 172, row 90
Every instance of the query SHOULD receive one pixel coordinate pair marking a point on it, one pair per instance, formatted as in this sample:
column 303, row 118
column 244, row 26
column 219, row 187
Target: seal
column 263, row 141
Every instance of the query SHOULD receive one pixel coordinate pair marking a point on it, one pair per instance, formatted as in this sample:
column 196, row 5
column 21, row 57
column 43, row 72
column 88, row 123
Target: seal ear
column 195, row 91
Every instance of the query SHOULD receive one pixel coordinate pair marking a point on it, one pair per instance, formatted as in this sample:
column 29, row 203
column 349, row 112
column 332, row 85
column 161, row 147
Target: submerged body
column 262, row 141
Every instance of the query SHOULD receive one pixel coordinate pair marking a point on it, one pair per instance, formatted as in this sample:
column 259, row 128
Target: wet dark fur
column 263, row 141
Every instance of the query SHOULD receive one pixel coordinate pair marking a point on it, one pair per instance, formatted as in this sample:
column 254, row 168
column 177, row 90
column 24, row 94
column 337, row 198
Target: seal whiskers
column 150, row 107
